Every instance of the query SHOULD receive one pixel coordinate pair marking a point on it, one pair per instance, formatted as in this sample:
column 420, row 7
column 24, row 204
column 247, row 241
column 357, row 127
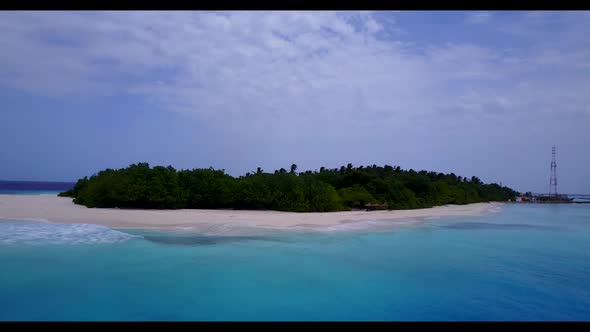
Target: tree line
column 338, row 189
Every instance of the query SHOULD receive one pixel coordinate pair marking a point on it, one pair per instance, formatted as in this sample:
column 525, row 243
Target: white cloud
column 268, row 68
column 479, row 17
column 319, row 87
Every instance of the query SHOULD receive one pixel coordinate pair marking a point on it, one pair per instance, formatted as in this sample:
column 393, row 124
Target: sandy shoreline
column 62, row 210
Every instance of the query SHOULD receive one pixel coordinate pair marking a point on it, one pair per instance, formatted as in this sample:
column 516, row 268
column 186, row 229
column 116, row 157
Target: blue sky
column 474, row 93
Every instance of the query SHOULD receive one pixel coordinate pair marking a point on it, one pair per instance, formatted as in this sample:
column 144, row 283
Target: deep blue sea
column 33, row 187
column 523, row 262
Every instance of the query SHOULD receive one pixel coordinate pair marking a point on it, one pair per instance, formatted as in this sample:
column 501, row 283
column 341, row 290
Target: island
column 347, row 188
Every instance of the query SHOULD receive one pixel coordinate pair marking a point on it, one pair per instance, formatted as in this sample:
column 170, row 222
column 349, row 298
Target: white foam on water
column 42, row 233
column 365, row 225
column 495, row 209
column 224, row 229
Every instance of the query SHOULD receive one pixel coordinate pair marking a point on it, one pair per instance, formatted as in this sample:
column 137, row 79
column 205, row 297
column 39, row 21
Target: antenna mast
column 553, row 177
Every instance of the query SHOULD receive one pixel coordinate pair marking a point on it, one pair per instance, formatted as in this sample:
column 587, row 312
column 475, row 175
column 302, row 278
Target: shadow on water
column 202, row 240
column 492, row 226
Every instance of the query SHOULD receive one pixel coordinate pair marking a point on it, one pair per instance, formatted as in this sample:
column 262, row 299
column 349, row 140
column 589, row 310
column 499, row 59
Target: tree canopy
column 338, row 189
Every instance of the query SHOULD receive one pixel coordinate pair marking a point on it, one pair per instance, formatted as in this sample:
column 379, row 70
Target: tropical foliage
column 344, row 188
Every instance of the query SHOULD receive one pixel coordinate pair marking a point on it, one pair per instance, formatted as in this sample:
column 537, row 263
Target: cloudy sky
column 474, row 93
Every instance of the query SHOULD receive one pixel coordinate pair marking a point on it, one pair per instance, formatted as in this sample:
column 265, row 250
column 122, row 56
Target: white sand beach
column 63, row 210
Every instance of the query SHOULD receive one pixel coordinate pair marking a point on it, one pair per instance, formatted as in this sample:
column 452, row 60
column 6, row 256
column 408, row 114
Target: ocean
column 33, row 187
column 518, row 263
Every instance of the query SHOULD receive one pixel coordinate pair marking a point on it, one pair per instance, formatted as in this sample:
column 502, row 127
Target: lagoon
column 524, row 262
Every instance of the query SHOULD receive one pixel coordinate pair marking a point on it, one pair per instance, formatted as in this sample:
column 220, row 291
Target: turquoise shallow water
column 526, row 262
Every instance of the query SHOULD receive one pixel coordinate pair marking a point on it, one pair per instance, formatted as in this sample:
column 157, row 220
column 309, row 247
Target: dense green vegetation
column 139, row 186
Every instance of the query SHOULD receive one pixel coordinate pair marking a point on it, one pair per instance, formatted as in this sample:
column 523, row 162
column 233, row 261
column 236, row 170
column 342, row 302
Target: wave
column 37, row 232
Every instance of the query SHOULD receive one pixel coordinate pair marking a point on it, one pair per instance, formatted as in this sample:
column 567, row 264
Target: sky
column 473, row 93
